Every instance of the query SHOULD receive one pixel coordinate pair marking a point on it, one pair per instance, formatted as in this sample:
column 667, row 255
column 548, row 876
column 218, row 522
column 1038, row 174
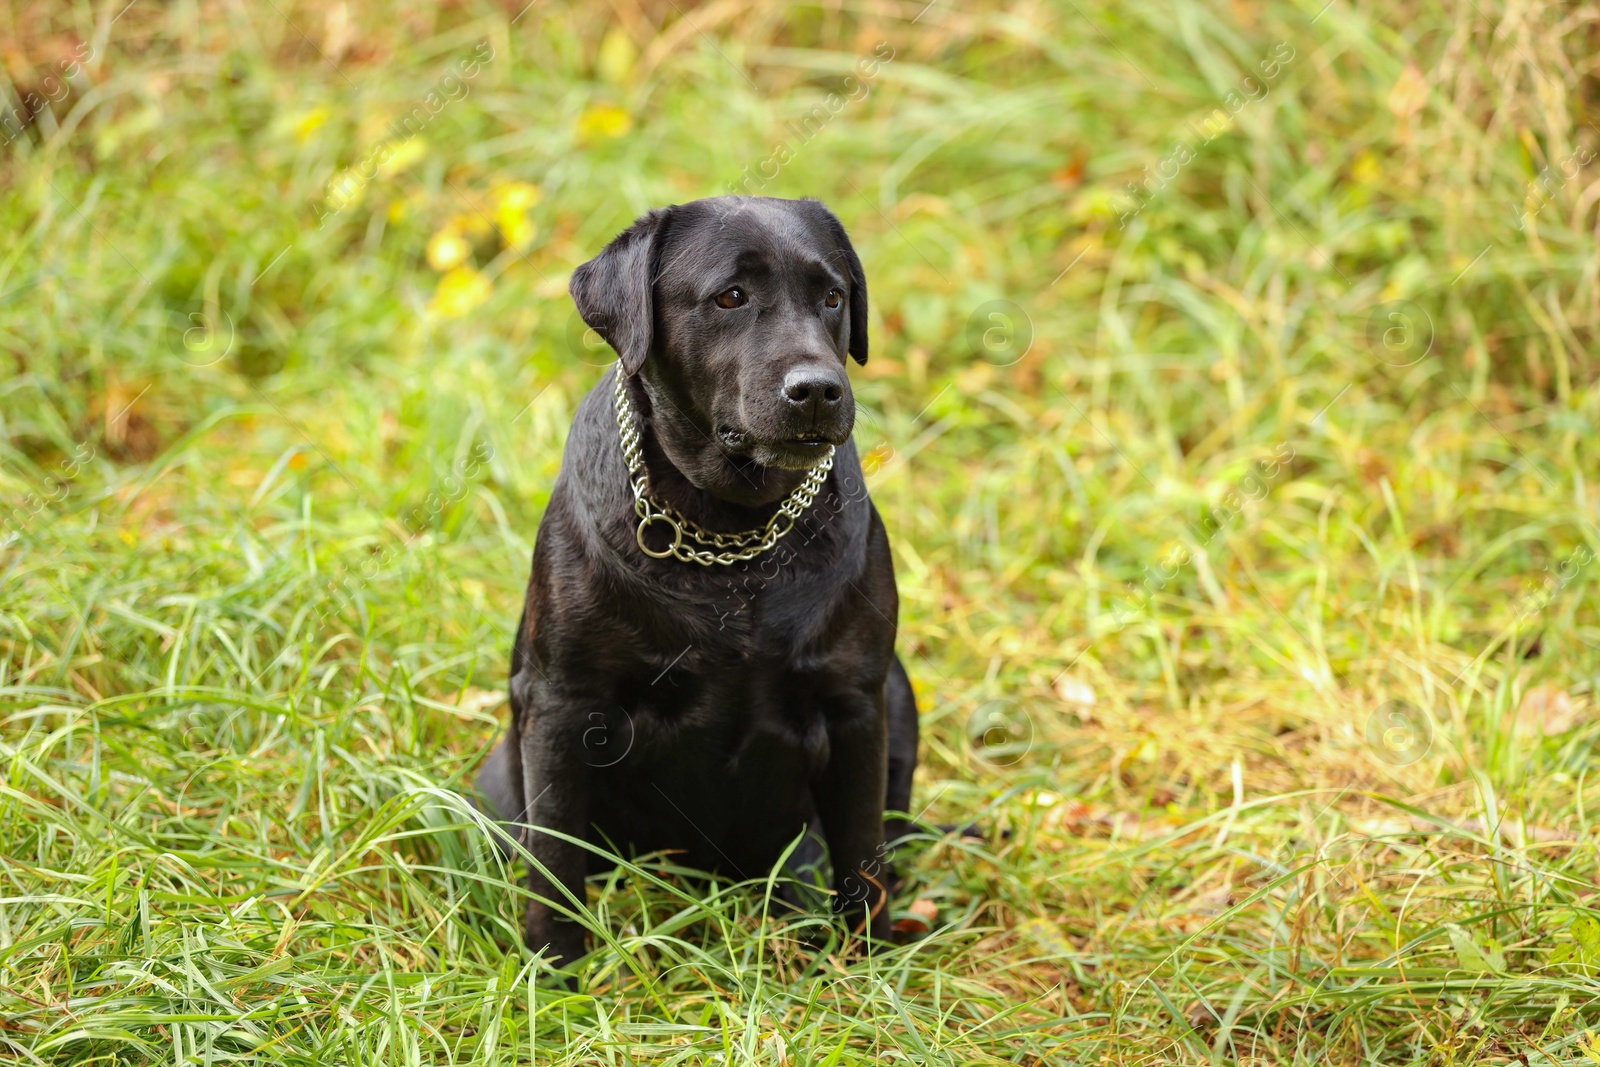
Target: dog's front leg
column 849, row 798
column 556, row 781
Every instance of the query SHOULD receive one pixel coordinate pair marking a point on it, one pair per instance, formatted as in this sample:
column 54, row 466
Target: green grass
column 259, row 566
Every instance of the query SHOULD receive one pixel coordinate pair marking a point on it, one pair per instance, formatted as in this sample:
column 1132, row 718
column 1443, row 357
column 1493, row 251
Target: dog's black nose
column 816, row 386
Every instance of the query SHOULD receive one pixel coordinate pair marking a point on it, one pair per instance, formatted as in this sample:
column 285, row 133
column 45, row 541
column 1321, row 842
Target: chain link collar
column 719, row 548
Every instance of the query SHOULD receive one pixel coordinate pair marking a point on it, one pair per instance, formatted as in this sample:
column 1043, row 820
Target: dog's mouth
column 795, row 452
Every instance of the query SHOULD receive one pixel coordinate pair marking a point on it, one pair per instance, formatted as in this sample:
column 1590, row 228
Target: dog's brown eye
column 834, row 296
column 731, row 298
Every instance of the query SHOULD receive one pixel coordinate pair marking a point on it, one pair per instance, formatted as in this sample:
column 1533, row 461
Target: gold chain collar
column 720, row 548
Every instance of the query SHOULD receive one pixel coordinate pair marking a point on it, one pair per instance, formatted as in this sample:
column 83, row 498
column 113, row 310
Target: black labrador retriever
column 705, row 661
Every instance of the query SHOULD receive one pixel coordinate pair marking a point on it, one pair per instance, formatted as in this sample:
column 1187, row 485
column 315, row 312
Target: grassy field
column 1232, row 408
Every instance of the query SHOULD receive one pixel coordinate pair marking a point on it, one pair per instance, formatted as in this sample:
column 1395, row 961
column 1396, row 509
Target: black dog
column 661, row 696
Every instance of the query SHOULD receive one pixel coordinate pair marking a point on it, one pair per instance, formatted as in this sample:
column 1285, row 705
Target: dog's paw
column 560, row 940
column 863, row 924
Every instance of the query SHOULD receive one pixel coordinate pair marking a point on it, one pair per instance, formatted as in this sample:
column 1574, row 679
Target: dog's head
column 738, row 313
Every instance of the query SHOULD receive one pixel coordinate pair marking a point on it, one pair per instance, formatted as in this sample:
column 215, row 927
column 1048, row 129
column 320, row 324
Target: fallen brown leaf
column 1076, row 694
column 1547, row 710
column 475, row 699
column 1409, row 94
column 923, row 913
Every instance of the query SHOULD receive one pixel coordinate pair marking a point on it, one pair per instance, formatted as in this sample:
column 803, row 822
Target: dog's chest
column 717, row 764
column 725, row 715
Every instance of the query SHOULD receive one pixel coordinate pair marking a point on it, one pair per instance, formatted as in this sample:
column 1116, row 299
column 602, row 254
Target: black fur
column 718, row 711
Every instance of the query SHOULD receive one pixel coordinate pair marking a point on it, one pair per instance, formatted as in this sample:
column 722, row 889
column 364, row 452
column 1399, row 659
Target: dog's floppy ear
column 613, row 290
column 858, row 281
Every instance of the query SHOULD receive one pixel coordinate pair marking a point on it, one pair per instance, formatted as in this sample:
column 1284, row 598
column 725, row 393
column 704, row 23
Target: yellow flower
column 616, row 56
column 404, row 153
column 310, row 122
column 447, row 249
column 876, row 457
column 603, row 120
column 517, row 196
column 345, row 189
column 459, row 292
column 515, row 228
column 1364, row 169
column 512, row 201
